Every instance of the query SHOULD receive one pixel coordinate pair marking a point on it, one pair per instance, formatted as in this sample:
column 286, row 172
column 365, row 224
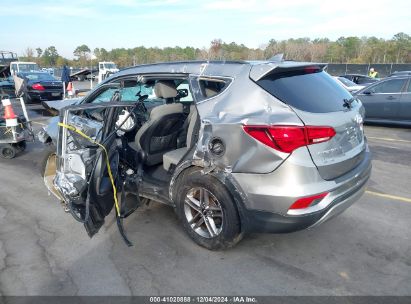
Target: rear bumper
column 46, row 95
column 343, row 192
column 263, row 221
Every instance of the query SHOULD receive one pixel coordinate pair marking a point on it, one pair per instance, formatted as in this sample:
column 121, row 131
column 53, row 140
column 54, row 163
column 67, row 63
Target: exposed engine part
column 71, row 185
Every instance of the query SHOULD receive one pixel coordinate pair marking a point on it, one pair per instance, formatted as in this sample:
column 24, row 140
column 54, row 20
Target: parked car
column 234, row 147
column 348, row 84
column 400, row 73
column 360, row 79
column 7, row 89
column 48, row 70
column 388, row 100
column 41, row 86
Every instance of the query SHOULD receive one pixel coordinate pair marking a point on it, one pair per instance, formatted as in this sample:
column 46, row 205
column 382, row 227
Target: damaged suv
column 234, row 147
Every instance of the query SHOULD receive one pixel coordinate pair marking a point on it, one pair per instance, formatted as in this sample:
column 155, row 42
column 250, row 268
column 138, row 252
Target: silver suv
column 234, row 147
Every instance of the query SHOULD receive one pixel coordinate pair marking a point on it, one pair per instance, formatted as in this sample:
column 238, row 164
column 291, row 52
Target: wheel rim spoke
column 199, row 223
column 206, row 198
column 193, row 203
column 214, row 208
column 211, row 227
column 195, row 217
column 201, row 196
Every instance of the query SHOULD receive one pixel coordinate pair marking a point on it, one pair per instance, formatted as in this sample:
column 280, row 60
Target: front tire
column 50, row 154
column 207, row 210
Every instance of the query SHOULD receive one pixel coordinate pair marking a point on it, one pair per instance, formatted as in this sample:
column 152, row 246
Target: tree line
column 343, row 50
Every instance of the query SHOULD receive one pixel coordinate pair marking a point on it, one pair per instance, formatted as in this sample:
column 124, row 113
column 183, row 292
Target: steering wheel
column 140, row 102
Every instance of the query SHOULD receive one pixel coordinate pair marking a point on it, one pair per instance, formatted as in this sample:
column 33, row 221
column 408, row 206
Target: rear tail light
column 306, row 202
column 37, row 87
column 288, row 138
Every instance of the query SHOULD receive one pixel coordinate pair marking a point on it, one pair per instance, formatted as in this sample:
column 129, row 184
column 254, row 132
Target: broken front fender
column 49, row 133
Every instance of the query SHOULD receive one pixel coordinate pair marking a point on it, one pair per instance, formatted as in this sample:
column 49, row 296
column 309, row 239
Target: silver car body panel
column 224, row 115
column 275, row 192
column 345, row 150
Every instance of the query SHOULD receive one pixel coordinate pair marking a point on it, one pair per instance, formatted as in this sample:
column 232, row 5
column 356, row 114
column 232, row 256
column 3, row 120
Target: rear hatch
column 319, row 101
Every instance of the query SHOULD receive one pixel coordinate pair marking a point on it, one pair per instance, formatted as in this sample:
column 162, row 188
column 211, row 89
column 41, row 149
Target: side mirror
column 181, row 93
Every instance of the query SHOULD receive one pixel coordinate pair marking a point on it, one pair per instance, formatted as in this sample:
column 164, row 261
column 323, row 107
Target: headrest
column 166, row 109
column 210, row 91
column 165, row 89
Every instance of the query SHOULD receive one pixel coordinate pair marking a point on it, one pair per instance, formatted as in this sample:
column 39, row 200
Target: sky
column 131, row 23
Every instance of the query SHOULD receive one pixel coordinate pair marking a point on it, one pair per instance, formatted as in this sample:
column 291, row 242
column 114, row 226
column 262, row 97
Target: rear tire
column 8, row 151
column 207, row 210
column 27, row 99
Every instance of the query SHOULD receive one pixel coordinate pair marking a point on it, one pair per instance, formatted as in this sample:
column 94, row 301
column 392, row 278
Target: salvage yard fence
column 383, row 69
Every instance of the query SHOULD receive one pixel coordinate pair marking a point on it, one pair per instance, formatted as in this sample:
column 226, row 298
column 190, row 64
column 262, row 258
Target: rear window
column 307, row 90
column 39, row 76
column 347, row 82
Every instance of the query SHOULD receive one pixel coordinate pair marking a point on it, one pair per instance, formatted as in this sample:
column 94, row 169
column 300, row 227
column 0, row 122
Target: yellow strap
column 107, row 160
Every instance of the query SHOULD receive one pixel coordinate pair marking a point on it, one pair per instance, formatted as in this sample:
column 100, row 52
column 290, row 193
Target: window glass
column 347, row 82
column 389, row 86
column 210, row 88
column 104, row 96
column 307, row 90
column 207, row 87
column 131, row 90
column 110, row 66
column 362, row 80
column 39, row 76
column 28, row 67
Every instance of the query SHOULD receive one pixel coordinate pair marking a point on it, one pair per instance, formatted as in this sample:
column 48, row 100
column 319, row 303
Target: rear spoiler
column 259, row 71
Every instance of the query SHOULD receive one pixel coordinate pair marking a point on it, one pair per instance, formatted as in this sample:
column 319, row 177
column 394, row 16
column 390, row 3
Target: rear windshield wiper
column 348, row 102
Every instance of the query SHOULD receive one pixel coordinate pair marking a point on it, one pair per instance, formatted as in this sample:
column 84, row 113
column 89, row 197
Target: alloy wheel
column 203, row 212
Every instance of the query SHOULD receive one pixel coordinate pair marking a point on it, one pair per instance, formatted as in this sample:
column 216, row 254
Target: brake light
column 37, row 87
column 311, row 69
column 306, row 202
column 288, row 138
